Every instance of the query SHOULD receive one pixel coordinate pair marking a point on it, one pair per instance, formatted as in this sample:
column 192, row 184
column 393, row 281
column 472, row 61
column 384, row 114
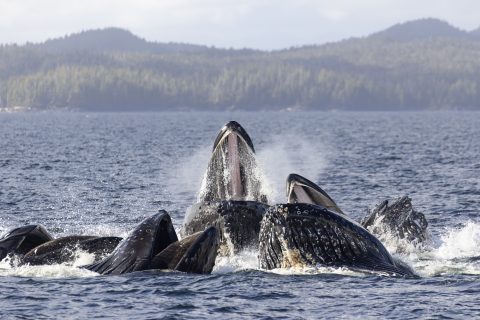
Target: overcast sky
column 264, row 24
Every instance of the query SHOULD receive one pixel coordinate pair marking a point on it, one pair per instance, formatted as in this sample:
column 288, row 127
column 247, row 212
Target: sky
column 260, row 24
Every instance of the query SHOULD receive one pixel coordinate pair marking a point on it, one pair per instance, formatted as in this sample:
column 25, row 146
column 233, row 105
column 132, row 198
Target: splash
column 393, row 242
column 188, row 175
column 460, row 243
column 456, row 251
column 244, row 260
column 315, row 270
column 290, row 153
column 10, row 266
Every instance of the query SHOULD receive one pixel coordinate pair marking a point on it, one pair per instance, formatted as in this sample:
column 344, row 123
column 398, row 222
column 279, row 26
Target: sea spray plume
column 289, row 152
column 231, row 197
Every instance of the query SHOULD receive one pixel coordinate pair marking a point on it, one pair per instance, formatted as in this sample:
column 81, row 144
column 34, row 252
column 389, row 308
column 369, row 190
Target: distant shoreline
column 330, row 111
column 425, row 64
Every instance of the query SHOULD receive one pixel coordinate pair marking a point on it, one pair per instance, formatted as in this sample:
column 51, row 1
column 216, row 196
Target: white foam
column 47, row 271
column 10, row 267
column 307, row 270
column 244, row 260
column 460, row 243
column 456, row 251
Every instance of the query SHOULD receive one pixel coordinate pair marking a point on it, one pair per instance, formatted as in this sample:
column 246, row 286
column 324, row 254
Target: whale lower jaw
column 301, row 234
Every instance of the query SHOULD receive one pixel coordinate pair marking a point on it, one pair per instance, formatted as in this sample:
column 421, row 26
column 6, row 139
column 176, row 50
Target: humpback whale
column 153, row 244
column 398, row 218
column 21, row 240
column 232, row 213
column 231, row 172
column 35, row 246
column 303, row 234
column 395, row 218
column 231, row 196
column 62, row 250
column 193, row 254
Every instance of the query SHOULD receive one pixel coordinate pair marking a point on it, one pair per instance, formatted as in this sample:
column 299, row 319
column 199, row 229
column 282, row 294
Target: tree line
column 356, row 74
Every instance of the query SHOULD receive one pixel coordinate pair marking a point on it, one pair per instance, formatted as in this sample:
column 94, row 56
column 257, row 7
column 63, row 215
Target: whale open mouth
column 302, row 190
column 232, row 171
column 233, row 128
column 164, row 235
column 232, row 142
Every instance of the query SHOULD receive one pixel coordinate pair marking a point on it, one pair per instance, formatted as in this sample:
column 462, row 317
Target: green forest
column 401, row 68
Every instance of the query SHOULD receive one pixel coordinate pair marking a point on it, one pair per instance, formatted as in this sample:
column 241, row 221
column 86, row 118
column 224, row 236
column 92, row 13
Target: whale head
column 136, row 251
column 301, row 190
column 232, row 171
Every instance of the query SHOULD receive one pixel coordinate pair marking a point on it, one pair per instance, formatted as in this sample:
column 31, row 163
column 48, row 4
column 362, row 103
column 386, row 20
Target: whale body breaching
column 231, row 196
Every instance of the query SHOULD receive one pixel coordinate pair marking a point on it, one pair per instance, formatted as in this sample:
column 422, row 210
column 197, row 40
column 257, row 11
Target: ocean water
column 102, row 173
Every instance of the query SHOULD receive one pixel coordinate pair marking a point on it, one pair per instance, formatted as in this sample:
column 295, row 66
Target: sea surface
column 102, row 173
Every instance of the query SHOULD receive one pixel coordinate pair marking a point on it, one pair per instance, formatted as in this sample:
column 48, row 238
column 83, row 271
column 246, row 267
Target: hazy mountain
column 422, row 64
column 420, row 29
column 113, row 40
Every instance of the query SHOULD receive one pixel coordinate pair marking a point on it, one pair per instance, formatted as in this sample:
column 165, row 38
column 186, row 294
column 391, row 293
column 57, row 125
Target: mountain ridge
column 113, row 69
column 419, row 29
column 112, row 39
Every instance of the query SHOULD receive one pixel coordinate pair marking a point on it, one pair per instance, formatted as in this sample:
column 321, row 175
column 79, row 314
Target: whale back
column 62, row 250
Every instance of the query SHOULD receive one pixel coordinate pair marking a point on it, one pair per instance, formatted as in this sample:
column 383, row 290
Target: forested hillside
column 423, row 64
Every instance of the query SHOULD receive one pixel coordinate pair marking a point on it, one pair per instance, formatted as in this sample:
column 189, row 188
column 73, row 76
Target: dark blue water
column 103, row 173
